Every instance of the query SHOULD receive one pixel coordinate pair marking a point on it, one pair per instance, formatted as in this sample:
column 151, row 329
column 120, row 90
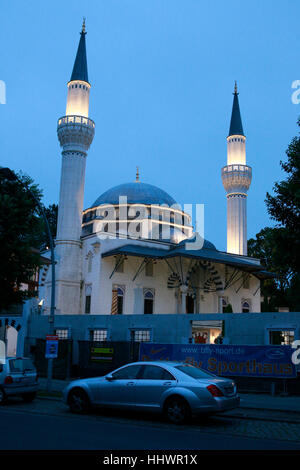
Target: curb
column 263, row 418
column 260, row 414
column 294, row 412
column 273, row 410
column 49, row 398
column 255, row 417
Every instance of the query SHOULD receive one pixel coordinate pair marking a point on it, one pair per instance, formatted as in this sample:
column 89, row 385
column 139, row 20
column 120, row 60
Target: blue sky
column 162, row 75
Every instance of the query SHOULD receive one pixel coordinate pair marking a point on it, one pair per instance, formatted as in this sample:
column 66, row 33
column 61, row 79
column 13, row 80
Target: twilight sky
column 162, row 75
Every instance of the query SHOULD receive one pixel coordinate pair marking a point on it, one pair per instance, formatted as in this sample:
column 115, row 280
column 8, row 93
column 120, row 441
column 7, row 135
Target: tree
column 20, row 232
column 284, row 206
column 279, row 248
column 269, row 247
column 41, row 240
column 228, row 309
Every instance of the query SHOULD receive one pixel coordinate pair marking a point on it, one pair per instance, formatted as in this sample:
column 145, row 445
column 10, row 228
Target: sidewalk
column 268, row 402
column 56, row 385
column 254, row 401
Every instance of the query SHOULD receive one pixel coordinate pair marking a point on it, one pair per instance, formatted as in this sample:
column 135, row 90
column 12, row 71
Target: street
column 48, row 425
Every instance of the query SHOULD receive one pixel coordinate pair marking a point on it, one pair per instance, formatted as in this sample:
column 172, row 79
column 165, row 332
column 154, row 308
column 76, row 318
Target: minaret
column 236, row 177
column 75, row 133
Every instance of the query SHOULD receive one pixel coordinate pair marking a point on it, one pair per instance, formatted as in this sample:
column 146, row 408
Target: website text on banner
column 247, row 361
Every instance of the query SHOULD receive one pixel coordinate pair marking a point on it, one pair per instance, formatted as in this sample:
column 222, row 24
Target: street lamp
column 11, row 176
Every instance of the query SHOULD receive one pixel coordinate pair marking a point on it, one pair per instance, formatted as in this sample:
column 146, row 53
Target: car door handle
column 130, row 383
column 167, row 383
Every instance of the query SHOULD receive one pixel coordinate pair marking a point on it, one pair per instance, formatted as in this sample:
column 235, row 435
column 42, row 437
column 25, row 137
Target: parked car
column 176, row 389
column 18, row 377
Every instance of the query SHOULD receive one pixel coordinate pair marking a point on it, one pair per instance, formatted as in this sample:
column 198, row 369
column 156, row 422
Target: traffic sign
column 51, row 347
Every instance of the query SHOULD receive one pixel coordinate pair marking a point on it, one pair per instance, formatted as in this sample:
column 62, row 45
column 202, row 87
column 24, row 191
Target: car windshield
column 194, row 372
column 19, row 365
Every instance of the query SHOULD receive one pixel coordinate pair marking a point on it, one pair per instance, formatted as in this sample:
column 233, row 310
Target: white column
column 78, row 98
column 71, row 196
column 236, row 150
column 237, row 224
column 220, row 307
column 183, row 290
column 75, row 137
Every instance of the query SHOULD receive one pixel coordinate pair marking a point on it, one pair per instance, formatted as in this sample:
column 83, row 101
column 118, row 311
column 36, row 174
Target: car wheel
column 3, row 397
column 177, row 410
column 78, row 401
column 28, row 397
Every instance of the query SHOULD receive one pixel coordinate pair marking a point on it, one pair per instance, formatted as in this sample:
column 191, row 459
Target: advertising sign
column 102, row 355
column 225, row 360
column 51, row 347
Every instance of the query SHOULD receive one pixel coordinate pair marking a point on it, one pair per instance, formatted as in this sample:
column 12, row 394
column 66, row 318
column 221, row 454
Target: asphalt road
column 24, row 429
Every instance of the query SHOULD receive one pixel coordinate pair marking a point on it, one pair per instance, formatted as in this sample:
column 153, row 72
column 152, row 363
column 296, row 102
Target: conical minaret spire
column 236, row 177
column 80, row 71
column 236, row 126
column 75, row 133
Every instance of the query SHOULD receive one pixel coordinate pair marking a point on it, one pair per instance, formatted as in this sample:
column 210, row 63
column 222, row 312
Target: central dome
column 136, row 193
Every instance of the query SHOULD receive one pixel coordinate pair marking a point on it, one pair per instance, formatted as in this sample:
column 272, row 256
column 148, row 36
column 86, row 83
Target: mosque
column 134, row 250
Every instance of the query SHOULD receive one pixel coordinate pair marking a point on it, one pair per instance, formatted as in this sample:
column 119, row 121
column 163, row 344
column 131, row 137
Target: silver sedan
column 176, row 389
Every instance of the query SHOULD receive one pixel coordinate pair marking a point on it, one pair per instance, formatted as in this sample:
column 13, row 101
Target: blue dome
column 207, row 245
column 137, row 193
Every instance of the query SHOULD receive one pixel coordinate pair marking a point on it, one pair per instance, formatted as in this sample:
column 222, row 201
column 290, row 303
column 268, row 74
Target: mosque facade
column 134, row 250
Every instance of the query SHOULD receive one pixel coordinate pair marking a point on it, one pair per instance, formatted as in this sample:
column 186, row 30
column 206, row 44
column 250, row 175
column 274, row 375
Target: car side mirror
column 109, row 377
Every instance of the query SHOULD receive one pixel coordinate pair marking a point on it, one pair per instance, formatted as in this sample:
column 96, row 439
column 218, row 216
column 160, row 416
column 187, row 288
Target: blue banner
column 226, row 360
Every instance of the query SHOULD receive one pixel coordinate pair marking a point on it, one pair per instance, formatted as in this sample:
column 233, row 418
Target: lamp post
column 10, row 175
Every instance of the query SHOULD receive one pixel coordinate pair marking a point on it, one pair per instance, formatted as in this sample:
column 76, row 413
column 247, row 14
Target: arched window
column 148, row 301
column 88, row 297
column 90, row 263
column 189, row 303
column 120, row 300
column 245, row 306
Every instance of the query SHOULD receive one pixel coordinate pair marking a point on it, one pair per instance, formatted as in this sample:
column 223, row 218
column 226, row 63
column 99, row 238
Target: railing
column 230, row 168
column 65, row 120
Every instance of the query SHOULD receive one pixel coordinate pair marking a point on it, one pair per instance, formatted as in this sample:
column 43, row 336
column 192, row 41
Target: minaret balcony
column 236, row 178
column 75, row 132
column 71, row 120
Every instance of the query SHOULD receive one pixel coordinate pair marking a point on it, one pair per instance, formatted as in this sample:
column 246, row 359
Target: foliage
column 22, row 233
column 278, row 248
column 269, row 247
column 42, row 240
column 284, row 206
column 228, row 309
